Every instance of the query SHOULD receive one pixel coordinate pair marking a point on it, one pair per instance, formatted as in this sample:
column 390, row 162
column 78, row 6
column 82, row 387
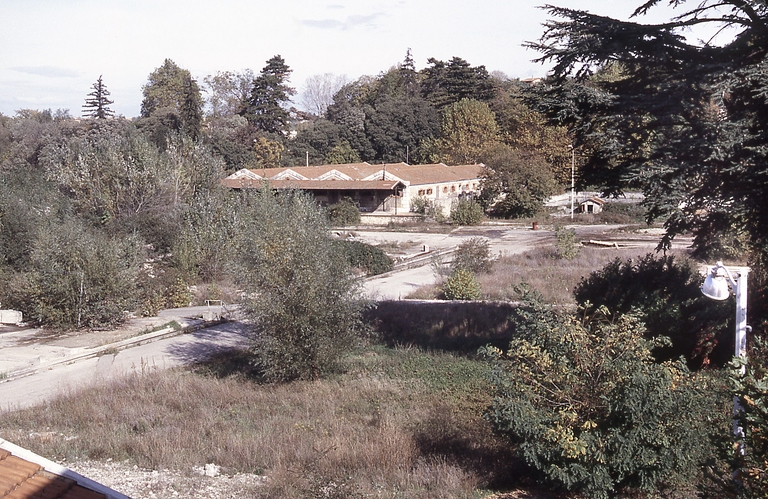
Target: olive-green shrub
column 461, row 285
column 584, row 403
column 303, row 300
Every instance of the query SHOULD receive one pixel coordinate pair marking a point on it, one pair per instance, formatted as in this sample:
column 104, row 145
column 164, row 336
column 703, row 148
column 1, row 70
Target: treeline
column 104, row 216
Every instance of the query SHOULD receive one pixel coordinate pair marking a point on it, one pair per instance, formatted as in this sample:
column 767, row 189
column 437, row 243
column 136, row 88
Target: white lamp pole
column 716, row 287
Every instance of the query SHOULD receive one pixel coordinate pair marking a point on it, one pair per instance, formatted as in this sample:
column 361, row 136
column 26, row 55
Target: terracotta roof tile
column 21, row 478
column 412, row 175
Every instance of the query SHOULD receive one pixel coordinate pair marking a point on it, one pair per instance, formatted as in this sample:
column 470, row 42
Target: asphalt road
column 170, row 352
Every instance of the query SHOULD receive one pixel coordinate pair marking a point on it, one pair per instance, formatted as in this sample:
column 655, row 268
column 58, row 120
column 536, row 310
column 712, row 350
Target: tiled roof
column 21, row 478
column 412, row 175
column 315, row 185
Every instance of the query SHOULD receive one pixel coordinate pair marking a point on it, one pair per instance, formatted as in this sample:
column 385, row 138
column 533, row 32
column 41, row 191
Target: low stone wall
column 385, row 218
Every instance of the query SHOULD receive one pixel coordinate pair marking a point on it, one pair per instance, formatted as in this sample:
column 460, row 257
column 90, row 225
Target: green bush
column 344, row 213
column 664, row 293
column 428, row 208
column 567, row 246
column 461, row 285
column 583, row 402
column 368, row 258
column 304, row 302
column 77, row 277
column 474, row 255
column 466, row 212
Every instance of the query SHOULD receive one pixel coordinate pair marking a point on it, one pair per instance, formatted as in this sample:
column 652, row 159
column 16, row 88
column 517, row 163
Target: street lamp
column 716, row 287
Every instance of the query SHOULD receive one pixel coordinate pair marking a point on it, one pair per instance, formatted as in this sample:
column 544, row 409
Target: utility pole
column 573, row 178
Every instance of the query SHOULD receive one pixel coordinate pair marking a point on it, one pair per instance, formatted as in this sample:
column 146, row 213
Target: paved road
column 161, row 354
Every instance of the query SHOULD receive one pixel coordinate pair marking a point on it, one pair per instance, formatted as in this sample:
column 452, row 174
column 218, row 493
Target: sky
column 53, row 51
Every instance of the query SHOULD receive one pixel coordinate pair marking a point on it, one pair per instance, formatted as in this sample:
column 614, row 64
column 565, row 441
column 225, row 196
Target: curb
column 192, row 325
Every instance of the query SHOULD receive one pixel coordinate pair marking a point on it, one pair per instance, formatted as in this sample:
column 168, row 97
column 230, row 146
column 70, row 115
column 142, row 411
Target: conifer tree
column 97, row 103
column 265, row 107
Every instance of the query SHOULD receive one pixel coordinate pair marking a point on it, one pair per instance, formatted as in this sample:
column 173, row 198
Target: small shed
column 591, row 205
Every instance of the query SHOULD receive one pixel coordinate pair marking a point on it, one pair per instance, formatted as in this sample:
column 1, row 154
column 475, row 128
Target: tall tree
column 468, row 127
column 227, row 93
column 686, row 122
column 319, row 91
column 270, row 93
column 173, row 97
column 97, row 103
column 445, row 83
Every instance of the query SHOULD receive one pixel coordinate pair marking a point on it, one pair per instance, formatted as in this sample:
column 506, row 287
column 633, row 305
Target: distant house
column 383, row 189
column 24, row 474
column 591, row 205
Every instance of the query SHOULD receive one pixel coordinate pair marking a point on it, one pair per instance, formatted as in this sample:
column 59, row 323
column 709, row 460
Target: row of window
column 465, row 187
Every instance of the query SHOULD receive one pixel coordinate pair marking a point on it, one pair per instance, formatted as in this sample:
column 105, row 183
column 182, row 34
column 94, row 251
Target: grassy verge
column 401, row 422
column 554, row 277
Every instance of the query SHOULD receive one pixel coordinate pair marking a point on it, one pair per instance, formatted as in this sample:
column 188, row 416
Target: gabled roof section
column 409, row 175
column 289, row 174
column 24, row 474
column 245, row 173
column 334, row 175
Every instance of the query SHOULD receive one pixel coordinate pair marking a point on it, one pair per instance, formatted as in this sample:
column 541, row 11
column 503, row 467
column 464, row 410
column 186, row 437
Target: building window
column 445, row 189
column 421, row 192
column 429, row 192
column 453, row 188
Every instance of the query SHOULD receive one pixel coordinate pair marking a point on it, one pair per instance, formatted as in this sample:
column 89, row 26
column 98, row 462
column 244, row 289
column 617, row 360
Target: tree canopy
column 265, row 107
column 172, row 98
column 686, row 122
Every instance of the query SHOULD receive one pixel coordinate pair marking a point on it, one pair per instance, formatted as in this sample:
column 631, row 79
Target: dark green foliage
column 622, row 213
column 461, row 285
column 587, row 406
column 172, row 103
column 303, row 300
column 368, row 258
column 265, row 107
column 751, row 387
column 97, row 103
column 344, row 213
column 686, row 122
column 474, row 255
column 466, row 212
column 446, row 83
column 664, row 293
column 515, row 181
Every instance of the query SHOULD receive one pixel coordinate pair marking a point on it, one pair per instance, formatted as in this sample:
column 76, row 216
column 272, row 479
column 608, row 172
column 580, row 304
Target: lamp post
column 716, row 287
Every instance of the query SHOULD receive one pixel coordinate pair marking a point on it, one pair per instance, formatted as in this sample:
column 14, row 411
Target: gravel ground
column 202, row 483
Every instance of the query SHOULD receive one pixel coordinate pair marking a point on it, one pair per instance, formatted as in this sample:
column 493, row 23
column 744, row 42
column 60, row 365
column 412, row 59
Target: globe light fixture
column 718, row 285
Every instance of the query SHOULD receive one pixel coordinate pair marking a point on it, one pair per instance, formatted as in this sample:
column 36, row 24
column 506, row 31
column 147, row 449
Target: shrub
column 664, row 294
column 343, row 213
column 473, row 255
column 428, row 208
column 466, row 212
column 567, row 246
column 585, row 404
column 304, row 302
column 368, row 258
column 461, row 285
column 77, row 278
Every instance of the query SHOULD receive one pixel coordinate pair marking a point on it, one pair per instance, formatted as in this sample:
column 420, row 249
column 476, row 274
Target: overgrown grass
column 543, row 270
column 403, row 422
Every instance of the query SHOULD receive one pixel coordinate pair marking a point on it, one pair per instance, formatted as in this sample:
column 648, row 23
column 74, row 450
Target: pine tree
column 97, row 103
column 265, row 107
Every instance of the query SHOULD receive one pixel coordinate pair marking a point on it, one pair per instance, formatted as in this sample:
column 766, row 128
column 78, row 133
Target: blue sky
column 52, row 51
